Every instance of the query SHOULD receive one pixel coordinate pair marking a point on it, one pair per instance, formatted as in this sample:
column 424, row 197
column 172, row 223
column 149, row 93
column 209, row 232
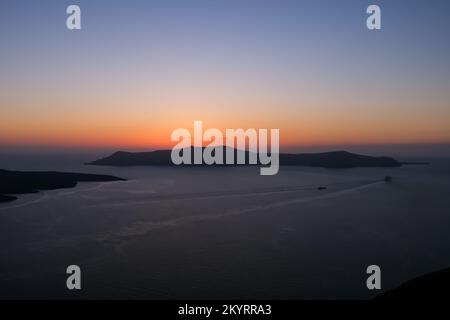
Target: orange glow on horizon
column 143, row 127
column 159, row 137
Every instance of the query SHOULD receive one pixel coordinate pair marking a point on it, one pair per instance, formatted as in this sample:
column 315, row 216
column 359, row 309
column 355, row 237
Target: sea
column 223, row 232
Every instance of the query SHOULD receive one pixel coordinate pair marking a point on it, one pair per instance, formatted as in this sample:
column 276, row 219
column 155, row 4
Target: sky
column 137, row 70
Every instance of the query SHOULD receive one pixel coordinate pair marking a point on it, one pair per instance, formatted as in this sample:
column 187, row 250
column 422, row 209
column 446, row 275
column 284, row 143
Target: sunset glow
column 127, row 85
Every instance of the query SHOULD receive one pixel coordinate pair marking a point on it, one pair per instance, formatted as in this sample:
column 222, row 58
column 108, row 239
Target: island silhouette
column 21, row 182
column 433, row 285
column 333, row 159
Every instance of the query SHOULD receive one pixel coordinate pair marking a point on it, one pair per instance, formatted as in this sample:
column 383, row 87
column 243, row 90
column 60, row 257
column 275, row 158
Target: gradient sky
column 140, row 69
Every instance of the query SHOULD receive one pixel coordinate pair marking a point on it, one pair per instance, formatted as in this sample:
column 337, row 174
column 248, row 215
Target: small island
column 21, row 182
column 334, row 159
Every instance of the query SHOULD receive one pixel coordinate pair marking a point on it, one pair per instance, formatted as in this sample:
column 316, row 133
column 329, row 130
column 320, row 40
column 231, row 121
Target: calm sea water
column 223, row 232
